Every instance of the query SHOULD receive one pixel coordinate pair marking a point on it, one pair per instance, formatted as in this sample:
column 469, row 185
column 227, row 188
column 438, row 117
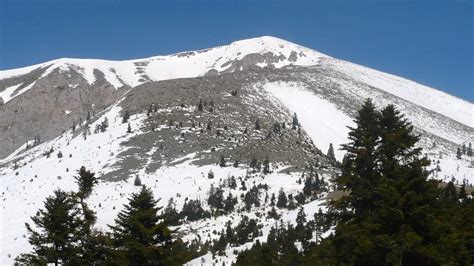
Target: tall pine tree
column 140, row 238
column 56, row 234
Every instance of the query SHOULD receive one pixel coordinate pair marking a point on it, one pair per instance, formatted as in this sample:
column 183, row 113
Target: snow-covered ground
column 24, row 189
column 325, row 124
column 321, row 119
column 436, row 100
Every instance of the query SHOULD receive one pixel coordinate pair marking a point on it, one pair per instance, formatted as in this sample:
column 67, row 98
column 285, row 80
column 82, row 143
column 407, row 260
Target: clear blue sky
column 427, row 41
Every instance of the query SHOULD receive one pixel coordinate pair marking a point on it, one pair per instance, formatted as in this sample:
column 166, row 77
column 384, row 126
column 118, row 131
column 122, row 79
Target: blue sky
column 430, row 42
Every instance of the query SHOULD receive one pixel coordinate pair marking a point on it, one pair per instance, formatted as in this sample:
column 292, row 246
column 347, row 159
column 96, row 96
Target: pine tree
column 282, row 200
column 330, row 154
column 200, row 107
column 308, row 186
column 125, row 117
column 129, row 128
column 459, row 153
column 170, row 214
column 469, row 150
column 257, row 124
column 139, row 235
column 273, row 200
column 300, row 224
column 359, row 171
column 266, row 167
column 137, row 182
column 391, row 202
column 86, row 180
column 295, row 122
column 59, row 232
column 229, row 203
column 222, row 162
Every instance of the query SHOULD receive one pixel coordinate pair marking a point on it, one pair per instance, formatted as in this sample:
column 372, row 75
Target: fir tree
column 59, row 232
column 139, row 235
column 266, row 167
column 282, row 199
column 200, row 107
column 295, row 122
column 170, row 214
column 125, row 117
column 86, row 180
column 222, row 162
column 257, row 124
column 129, row 128
column 229, row 203
column 359, row 171
column 137, row 182
column 330, row 154
column 193, row 211
column 458, row 153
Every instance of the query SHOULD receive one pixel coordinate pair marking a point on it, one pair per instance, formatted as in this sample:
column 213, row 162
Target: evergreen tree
column 139, row 235
column 282, row 200
column 137, row 182
column 129, row 128
column 229, row 203
column 388, row 216
column 458, row 153
column 216, row 198
column 257, row 124
column 193, row 211
column 295, row 122
column 330, row 154
column 200, row 107
column 266, row 167
column 308, row 186
column 301, row 224
column 272, row 200
column 469, row 150
column 170, row 214
column 359, row 171
column 125, row 117
column 222, row 162
column 59, row 232
column 86, row 180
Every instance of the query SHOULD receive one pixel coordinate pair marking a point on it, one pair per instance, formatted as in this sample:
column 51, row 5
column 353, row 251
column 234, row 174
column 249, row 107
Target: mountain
column 52, row 118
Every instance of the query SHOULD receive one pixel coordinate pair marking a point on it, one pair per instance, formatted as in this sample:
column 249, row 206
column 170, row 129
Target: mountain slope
column 173, row 144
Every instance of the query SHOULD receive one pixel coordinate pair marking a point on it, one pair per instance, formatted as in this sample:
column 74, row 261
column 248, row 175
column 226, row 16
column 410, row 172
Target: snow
column 321, row 120
column 438, row 101
column 6, row 95
column 325, row 124
column 181, row 65
column 22, row 194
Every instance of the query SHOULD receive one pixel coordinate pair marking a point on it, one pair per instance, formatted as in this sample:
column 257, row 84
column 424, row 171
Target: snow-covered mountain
column 175, row 145
column 240, row 55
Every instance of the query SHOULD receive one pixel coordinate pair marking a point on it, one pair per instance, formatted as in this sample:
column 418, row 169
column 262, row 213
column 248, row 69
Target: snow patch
column 321, row 119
